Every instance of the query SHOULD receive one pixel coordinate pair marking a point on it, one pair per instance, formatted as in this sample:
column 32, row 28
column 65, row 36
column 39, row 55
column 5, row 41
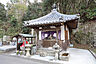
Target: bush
column 83, row 38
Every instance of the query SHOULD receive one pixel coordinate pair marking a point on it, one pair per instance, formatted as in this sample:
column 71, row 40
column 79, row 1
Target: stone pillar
column 63, row 33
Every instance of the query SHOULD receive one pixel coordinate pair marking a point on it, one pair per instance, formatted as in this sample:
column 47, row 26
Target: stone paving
column 77, row 56
column 7, row 47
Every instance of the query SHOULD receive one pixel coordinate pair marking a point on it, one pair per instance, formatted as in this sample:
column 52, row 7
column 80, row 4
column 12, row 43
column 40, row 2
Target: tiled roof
column 52, row 17
column 24, row 35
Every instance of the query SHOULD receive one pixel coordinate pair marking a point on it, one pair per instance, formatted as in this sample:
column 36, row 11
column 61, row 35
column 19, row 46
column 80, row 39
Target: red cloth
column 24, row 43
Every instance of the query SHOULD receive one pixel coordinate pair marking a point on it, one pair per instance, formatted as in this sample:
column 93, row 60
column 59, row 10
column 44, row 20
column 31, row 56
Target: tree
column 16, row 10
column 86, row 8
column 2, row 12
column 23, row 10
column 2, row 18
column 34, row 11
column 64, row 6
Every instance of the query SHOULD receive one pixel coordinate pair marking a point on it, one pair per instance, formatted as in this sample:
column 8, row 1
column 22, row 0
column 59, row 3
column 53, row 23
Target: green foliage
column 34, row 11
column 15, row 12
column 13, row 21
column 2, row 19
column 87, row 14
column 47, row 5
column 12, row 31
column 1, row 33
column 17, row 52
column 86, row 8
column 88, row 11
column 91, row 13
column 61, row 4
column 83, row 38
column 26, row 30
column 2, row 13
column 17, row 9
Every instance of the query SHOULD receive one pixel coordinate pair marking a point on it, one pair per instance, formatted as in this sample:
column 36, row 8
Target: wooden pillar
column 67, row 35
column 36, row 38
column 25, row 38
column 31, row 41
column 32, row 32
column 63, row 32
column 57, row 36
column 17, row 43
column 67, row 32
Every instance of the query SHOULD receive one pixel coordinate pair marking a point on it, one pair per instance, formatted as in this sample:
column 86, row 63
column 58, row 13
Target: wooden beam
column 31, row 41
column 36, row 38
column 72, row 24
column 44, row 25
column 17, row 43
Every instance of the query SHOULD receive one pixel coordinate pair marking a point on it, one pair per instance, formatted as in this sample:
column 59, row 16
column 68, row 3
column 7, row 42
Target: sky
column 5, row 1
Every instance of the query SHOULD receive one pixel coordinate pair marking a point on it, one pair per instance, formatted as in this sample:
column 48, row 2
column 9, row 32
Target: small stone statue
column 57, row 49
column 56, row 46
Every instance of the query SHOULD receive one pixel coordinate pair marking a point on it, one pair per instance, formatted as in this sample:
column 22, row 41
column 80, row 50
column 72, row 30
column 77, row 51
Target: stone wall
column 89, row 26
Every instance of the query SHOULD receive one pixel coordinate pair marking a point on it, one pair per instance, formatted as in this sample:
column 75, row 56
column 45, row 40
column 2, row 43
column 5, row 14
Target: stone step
column 46, row 52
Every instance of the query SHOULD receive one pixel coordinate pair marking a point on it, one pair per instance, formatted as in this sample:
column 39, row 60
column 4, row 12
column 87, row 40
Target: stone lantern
column 57, row 49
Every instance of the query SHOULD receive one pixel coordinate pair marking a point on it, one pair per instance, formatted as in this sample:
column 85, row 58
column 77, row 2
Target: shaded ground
column 81, row 46
column 5, row 59
column 93, row 49
column 81, row 56
column 84, row 46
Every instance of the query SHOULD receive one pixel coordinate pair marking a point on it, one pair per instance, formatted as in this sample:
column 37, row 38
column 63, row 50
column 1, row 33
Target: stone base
column 64, row 55
column 5, row 43
column 64, row 58
column 46, row 52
